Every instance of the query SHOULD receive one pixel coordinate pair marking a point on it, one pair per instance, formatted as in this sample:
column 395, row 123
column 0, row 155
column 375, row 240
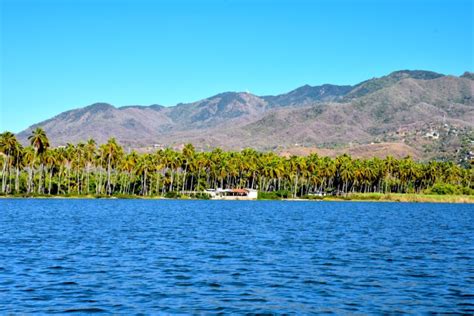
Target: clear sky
column 64, row 54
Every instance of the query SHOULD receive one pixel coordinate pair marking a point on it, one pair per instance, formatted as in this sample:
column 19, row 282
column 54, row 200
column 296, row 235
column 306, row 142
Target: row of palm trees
column 88, row 168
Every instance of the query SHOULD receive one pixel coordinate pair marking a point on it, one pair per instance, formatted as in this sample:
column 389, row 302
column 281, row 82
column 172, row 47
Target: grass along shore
column 357, row 197
column 403, row 197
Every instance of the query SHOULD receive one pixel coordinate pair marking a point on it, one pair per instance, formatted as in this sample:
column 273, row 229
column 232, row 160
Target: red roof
column 239, row 191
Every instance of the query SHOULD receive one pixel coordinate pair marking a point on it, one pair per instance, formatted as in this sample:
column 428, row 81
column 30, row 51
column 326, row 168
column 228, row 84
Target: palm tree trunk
column 17, row 180
column 50, row 180
column 59, row 179
column 108, row 176
column 171, row 184
column 184, row 177
column 40, row 181
column 145, row 187
column 87, row 179
column 5, row 163
column 68, row 175
column 296, row 186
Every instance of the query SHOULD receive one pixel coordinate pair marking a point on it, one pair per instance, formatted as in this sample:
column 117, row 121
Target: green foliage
column 449, row 189
column 274, row 195
column 268, row 196
column 444, row 188
column 313, row 197
column 172, row 195
column 200, row 196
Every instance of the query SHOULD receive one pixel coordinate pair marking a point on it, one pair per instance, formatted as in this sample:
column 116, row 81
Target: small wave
column 313, row 282
column 420, row 275
column 213, row 284
column 255, row 300
column 276, row 285
column 184, row 284
column 219, row 256
column 85, row 310
column 41, row 298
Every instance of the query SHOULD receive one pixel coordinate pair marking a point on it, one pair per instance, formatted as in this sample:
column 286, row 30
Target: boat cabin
column 233, row 194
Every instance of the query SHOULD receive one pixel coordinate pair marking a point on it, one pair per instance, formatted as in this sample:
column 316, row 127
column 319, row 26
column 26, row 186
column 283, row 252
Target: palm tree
column 9, row 146
column 110, row 152
column 188, row 158
column 39, row 140
column 141, row 169
column 89, row 154
column 50, row 159
column 19, row 165
column 128, row 164
column 29, row 155
column 40, row 143
column 346, row 172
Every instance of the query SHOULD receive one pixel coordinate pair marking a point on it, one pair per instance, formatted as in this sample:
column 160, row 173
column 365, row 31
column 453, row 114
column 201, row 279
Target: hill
column 430, row 114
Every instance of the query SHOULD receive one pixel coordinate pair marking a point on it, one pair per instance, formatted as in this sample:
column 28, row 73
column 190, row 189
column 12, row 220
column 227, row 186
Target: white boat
column 233, row 194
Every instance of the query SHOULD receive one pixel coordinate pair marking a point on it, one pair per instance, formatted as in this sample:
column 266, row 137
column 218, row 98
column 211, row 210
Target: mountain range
column 408, row 112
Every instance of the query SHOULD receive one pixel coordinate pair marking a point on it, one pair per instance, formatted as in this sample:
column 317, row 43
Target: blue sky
column 64, row 54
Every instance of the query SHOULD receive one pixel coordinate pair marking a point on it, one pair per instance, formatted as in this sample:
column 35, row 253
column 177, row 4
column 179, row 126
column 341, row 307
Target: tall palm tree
column 110, row 151
column 144, row 164
column 39, row 141
column 89, row 154
column 9, row 147
column 188, row 158
column 128, row 164
column 29, row 158
column 50, row 160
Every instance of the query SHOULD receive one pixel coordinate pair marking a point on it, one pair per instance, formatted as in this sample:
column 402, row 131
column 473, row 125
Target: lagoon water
column 132, row 256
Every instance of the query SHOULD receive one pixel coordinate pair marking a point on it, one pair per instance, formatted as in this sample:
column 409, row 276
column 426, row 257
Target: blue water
column 131, row 256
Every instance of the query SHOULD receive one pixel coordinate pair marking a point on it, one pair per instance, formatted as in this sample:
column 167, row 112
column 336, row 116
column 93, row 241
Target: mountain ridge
column 325, row 115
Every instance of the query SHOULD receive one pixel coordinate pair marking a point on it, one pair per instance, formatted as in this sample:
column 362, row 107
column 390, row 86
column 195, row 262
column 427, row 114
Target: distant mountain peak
column 155, row 107
column 100, row 106
column 309, row 94
column 225, row 98
column 415, row 74
column 232, row 94
column 375, row 84
column 468, row 75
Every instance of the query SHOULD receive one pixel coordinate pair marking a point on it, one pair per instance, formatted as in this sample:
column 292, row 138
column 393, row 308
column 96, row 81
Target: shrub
column 444, row 188
column 172, row 195
column 313, row 197
column 200, row 196
column 284, row 194
column 467, row 191
column 274, row 195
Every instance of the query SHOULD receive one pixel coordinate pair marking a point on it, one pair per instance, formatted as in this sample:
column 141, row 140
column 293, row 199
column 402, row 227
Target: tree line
column 91, row 169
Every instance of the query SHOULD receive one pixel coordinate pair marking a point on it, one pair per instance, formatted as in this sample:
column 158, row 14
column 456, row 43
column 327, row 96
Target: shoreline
column 359, row 197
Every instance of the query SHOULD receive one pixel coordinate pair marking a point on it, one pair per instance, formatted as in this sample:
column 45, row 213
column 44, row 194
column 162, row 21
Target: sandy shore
column 357, row 197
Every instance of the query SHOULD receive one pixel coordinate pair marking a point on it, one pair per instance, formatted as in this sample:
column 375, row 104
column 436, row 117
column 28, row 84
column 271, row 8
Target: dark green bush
column 200, row 196
column 274, row 195
column 444, row 189
column 172, row 195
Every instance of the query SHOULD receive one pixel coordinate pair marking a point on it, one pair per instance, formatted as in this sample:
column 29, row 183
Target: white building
column 432, row 135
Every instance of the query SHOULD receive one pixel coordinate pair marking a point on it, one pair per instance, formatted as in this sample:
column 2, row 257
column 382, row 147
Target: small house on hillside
column 432, row 135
